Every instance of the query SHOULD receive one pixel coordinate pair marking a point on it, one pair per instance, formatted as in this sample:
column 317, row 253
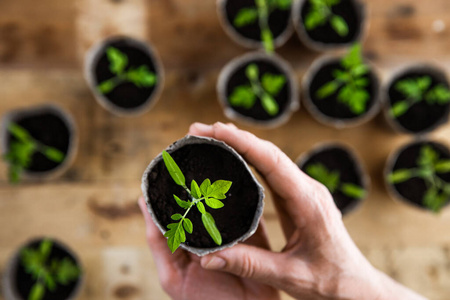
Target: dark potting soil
column 421, row 116
column 414, row 189
column 331, row 106
column 24, row 281
column 336, row 158
column 48, row 129
column 326, row 34
column 199, row 162
column 257, row 112
column 125, row 95
column 278, row 19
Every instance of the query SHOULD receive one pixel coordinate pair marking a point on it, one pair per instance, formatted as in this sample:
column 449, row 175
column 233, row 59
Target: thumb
column 247, row 261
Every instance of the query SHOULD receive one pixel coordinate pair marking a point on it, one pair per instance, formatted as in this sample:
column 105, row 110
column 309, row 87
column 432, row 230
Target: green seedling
column 265, row 90
column 350, row 83
column 211, row 194
column 260, row 13
column 321, row 13
column 429, row 166
column 416, row 90
column 331, row 179
column 118, row 62
column 22, row 149
column 47, row 274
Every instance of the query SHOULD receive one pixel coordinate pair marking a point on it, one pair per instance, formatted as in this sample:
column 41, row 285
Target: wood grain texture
column 93, row 206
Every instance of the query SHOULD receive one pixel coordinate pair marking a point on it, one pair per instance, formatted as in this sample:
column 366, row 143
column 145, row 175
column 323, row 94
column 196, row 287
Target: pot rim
column 188, row 140
column 65, row 116
column 90, row 61
column 361, row 9
column 239, row 39
column 226, row 72
column 334, row 121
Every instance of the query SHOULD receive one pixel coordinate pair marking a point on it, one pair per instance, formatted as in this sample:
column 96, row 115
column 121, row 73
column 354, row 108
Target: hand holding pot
column 320, row 260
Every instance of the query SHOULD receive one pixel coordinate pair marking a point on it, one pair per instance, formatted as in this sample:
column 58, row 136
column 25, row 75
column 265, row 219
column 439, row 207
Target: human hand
column 182, row 277
column 320, row 260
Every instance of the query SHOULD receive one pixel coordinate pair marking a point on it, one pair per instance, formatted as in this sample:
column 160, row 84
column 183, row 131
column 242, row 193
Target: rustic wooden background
column 93, row 206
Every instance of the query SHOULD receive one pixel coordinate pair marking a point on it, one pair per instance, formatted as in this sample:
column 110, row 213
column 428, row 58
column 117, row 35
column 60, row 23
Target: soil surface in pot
column 331, row 106
column 49, row 129
column 257, row 112
column 199, row 162
column 414, row 189
column 421, row 116
column 326, row 34
column 338, row 159
column 125, row 95
column 278, row 19
column 24, row 281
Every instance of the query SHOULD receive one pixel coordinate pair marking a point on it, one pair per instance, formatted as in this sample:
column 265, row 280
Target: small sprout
column 350, row 83
column 47, row 274
column 266, row 90
column 260, row 14
column 22, row 149
column 212, row 194
column 429, row 166
column 416, row 90
column 331, row 180
column 118, row 62
column 321, row 13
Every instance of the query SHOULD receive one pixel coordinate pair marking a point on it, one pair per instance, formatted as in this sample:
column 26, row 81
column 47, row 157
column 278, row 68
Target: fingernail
column 202, row 127
column 215, row 263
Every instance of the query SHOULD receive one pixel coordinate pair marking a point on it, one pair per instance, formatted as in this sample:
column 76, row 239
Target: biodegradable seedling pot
column 352, row 185
column 17, row 283
column 235, row 76
column 202, row 158
column 329, row 110
column 410, row 186
column 421, row 117
column 324, row 37
column 128, row 97
column 51, row 126
column 249, row 35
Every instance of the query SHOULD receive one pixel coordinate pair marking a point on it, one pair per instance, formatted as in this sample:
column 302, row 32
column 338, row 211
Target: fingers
column 167, row 264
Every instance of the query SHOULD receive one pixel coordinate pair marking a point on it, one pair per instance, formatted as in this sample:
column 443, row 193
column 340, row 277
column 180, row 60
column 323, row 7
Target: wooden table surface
column 93, row 206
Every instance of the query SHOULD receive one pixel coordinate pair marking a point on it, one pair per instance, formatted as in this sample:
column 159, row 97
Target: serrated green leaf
column 106, row 86
column 269, row 104
column 314, row 19
column 218, row 188
column 141, row 77
column 214, row 203
column 176, row 217
column 399, row 108
column 353, row 191
column 188, row 225
column 65, row 271
column 181, row 203
column 210, row 226
column 37, row 292
column 355, row 98
column 201, row 207
column 360, row 70
column 328, row 178
column 430, row 199
column 427, row 157
column 176, row 236
column 53, row 154
column 339, row 25
column 399, row 176
column 327, row 89
column 205, row 186
column 353, row 57
column 273, row 83
column 409, row 88
column 438, row 94
column 243, row 96
column 195, row 190
column 173, row 169
column 245, row 16
column 117, row 60
column 442, row 166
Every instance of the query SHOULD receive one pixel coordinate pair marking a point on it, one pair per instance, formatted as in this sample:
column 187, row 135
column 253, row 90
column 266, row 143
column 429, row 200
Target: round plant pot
column 52, row 126
column 200, row 158
column 250, row 36
column 330, row 111
column 412, row 191
column 17, row 283
column 233, row 75
column 126, row 99
column 324, row 38
column 421, row 118
column 343, row 159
